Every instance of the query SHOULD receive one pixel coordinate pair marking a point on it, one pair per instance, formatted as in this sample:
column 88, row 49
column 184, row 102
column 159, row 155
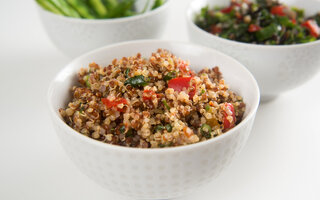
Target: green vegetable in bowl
column 260, row 22
column 95, row 9
column 82, row 8
column 99, row 8
column 137, row 81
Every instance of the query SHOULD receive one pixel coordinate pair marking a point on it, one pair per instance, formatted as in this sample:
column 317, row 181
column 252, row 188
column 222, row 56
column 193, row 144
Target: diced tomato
column 278, row 10
column 215, row 29
column 313, row 27
column 228, row 111
column 147, row 95
column 185, row 69
column 182, row 82
column 179, row 83
column 227, row 9
column 238, row 15
column 230, row 8
column 294, row 21
column 236, row 4
column 253, row 28
column 114, row 103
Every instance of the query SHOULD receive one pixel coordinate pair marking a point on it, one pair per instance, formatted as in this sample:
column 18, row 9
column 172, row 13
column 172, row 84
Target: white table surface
column 280, row 161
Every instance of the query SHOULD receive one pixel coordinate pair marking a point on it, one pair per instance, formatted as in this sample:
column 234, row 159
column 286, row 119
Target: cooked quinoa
column 151, row 103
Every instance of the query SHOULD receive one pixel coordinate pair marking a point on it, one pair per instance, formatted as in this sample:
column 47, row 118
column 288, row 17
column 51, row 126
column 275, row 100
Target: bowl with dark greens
column 278, row 41
column 78, row 26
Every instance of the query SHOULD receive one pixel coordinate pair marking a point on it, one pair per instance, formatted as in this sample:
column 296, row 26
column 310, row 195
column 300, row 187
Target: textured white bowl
column 154, row 173
column 75, row 36
column 276, row 68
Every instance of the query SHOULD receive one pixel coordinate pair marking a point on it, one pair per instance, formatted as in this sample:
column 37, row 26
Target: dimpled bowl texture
column 154, row 173
column 277, row 68
column 74, row 36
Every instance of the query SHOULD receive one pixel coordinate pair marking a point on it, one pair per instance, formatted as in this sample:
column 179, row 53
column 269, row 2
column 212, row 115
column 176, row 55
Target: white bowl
column 154, row 173
column 75, row 36
column 277, row 68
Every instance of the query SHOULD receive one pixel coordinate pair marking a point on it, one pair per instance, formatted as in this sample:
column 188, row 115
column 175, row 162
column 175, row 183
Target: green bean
column 99, row 8
column 145, row 7
column 157, row 3
column 110, row 4
column 49, row 6
column 64, row 7
column 121, row 9
column 82, row 8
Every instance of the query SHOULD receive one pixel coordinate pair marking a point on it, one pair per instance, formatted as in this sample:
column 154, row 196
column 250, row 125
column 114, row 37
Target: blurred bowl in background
column 277, row 68
column 75, row 36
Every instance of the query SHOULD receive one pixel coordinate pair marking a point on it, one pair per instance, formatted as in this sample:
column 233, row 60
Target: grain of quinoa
column 151, row 103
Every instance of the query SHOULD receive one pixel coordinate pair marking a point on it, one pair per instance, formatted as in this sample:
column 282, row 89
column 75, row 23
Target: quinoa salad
column 151, row 102
column 267, row 22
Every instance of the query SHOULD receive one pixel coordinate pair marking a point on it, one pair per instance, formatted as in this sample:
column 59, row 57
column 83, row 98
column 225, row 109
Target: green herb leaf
column 129, row 133
column 126, row 73
column 267, row 32
column 166, row 104
column 169, row 127
column 159, row 128
column 122, row 129
column 207, row 107
column 86, row 80
column 137, row 81
column 205, row 130
column 169, row 76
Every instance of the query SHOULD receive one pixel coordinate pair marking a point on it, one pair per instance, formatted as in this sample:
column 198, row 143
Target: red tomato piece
column 147, row 95
column 179, row 83
column 253, row 28
column 182, row 82
column 293, row 21
column 185, row 69
column 227, row 9
column 114, row 103
column 313, row 27
column 215, row 29
column 228, row 111
column 278, row 10
column 230, row 8
column 238, row 15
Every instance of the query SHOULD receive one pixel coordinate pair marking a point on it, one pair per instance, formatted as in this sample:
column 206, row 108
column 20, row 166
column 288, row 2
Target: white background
column 280, row 161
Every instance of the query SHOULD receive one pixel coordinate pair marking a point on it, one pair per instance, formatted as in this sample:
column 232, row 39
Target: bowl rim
column 55, row 116
column 189, row 13
column 108, row 20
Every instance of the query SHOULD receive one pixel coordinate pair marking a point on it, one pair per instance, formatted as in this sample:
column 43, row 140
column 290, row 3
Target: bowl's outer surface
column 276, row 68
column 76, row 36
column 155, row 173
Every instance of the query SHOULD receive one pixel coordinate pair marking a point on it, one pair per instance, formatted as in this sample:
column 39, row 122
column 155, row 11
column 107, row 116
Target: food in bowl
column 261, row 22
column 152, row 103
column 95, row 9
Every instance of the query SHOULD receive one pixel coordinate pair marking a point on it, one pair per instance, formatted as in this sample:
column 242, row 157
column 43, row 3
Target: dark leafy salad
column 96, row 9
column 261, row 22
